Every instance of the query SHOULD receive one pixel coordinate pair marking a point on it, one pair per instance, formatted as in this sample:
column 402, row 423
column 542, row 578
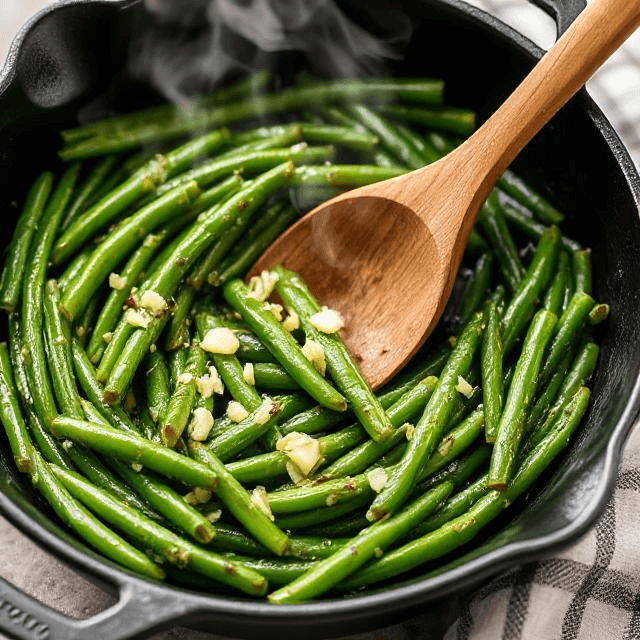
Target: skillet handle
column 142, row 609
column 564, row 12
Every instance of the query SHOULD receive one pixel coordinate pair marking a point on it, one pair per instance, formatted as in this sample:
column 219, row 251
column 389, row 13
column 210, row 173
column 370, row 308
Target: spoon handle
column 597, row 32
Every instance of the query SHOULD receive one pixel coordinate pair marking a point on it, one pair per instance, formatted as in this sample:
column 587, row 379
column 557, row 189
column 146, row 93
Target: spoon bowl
column 386, row 255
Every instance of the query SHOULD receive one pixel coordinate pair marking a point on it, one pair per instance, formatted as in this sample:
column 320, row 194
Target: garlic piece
column 116, row 281
column 220, row 340
column 327, row 320
column 137, row 318
column 314, row 352
column 464, row 387
column 262, row 285
column 153, row 302
column 377, row 479
column 236, row 412
column 248, row 373
column 200, row 424
column 260, row 500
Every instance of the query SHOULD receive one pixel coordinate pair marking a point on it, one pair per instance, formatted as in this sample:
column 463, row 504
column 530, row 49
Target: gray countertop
column 38, row 573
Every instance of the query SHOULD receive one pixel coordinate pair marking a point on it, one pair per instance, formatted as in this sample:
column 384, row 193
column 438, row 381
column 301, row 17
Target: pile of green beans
column 186, row 423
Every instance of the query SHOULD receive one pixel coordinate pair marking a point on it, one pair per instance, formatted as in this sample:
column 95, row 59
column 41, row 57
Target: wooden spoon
column 386, row 255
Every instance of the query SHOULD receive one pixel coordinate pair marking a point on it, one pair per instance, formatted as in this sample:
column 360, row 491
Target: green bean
column 522, row 305
column 120, row 242
column 427, row 151
column 291, row 99
column 340, row 363
column 11, row 416
column 462, row 529
column 229, row 368
column 451, row 119
column 16, row 259
column 90, row 186
column 567, row 333
column 133, row 448
column 58, row 349
column 237, row 437
column 238, row 262
column 167, row 277
column 520, row 394
column 582, row 270
column 344, row 175
column 160, row 540
column 401, row 412
column 431, row 426
column 174, row 419
column 581, row 368
column 251, row 84
column 144, row 181
column 519, row 190
column 32, row 298
column 555, row 296
column 336, row 135
column 86, row 525
column 282, row 345
column 599, row 313
column 494, row 228
column 401, row 148
column 157, row 384
column 112, row 308
column 239, row 503
column 370, row 542
column 525, row 222
column 492, row 379
column 273, row 377
column 476, row 288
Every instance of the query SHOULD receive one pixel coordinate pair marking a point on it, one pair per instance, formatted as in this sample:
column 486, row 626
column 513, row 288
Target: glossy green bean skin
column 14, row 265
column 282, row 346
column 432, row 424
column 492, row 378
column 340, row 363
column 162, row 541
column 372, row 540
column 134, row 448
column 521, row 307
column 520, row 394
column 460, row 530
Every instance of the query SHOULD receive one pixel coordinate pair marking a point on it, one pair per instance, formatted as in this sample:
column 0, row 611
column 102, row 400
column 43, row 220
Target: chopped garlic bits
column 153, row 302
column 137, row 318
column 261, row 286
column 327, row 320
column 314, row 352
column 275, row 309
column 265, row 411
column 200, row 425
column 220, row 340
column 260, row 500
column 464, row 387
column 185, row 378
column 303, row 452
column 292, row 321
column 248, row 373
column 236, row 412
column 377, row 479
column 210, row 383
column 198, row 496
column 117, row 282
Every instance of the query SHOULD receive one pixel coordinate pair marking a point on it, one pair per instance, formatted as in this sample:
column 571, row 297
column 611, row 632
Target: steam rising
column 191, row 46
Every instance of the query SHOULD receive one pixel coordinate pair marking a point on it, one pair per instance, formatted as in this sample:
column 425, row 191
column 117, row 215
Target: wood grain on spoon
column 386, row 255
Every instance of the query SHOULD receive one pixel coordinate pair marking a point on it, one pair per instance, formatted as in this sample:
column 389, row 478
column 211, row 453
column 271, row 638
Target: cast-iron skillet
column 74, row 53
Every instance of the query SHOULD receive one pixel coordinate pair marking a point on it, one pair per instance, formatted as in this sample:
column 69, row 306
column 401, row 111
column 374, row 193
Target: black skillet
column 73, row 54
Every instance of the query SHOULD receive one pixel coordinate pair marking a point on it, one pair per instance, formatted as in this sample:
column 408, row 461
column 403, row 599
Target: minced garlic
column 464, row 387
column 248, row 373
column 200, row 424
column 236, row 412
column 314, row 352
column 137, row 318
column 117, row 282
column 153, row 302
column 327, row 320
column 220, row 340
